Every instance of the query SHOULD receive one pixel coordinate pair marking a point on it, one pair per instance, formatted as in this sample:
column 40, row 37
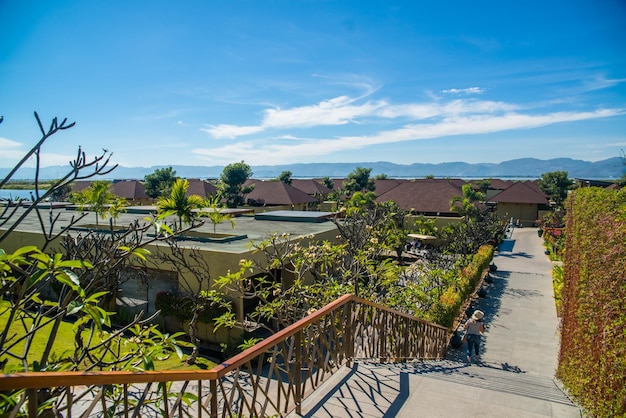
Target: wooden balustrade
column 268, row 379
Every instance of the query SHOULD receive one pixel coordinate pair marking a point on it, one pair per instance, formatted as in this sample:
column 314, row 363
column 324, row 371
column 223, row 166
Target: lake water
column 18, row 194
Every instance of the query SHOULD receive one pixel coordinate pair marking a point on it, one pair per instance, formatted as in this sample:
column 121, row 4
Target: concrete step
column 493, row 377
column 443, row 388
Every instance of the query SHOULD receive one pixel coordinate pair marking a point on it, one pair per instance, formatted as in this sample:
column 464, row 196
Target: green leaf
column 95, row 296
column 75, row 264
column 148, row 364
column 74, row 307
column 67, row 277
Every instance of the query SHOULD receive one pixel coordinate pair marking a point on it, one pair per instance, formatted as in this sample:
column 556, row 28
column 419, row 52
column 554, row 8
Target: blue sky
column 278, row 82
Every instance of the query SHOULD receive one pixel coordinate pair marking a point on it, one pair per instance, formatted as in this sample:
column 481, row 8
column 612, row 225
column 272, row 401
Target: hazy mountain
column 520, row 168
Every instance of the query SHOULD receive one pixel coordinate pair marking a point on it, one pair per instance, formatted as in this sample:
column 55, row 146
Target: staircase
column 442, row 388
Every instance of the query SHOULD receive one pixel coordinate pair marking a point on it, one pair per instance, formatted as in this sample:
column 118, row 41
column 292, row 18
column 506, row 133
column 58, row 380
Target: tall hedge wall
column 592, row 361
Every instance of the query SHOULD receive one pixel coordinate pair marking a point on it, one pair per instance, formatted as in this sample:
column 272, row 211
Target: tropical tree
column 231, row 183
column 557, row 185
column 160, row 182
column 466, row 205
column 96, row 198
column 179, row 204
column 215, row 213
column 117, row 207
column 359, row 181
column 285, row 177
column 61, row 192
column 326, row 181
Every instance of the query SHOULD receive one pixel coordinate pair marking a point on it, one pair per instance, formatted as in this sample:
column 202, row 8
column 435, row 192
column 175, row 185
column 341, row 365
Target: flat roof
column 294, row 216
column 255, row 229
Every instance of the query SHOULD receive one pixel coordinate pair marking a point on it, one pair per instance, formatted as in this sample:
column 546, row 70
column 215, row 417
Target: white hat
column 478, row 315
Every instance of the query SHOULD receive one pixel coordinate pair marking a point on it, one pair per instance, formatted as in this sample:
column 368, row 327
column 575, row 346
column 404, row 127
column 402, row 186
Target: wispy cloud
column 453, row 124
column 468, row 90
column 10, row 149
column 336, row 111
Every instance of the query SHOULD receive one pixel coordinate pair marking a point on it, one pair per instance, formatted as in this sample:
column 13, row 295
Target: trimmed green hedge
column 447, row 308
column 592, row 361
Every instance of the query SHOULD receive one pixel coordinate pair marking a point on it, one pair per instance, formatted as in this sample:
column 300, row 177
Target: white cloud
column 468, row 90
column 342, row 110
column 336, row 111
column 231, row 131
column 453, row 124
column 8, row 143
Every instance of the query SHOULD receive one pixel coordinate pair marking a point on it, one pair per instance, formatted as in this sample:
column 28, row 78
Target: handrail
column 272, row 377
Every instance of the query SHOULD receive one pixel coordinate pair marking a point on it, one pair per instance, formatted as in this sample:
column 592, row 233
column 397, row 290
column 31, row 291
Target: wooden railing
column 268, row 379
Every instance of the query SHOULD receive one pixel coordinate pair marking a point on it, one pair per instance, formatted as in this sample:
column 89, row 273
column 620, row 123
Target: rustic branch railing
column 270, row 378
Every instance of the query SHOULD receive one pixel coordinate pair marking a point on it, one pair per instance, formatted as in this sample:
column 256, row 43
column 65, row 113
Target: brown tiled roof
column 129, row 189
column 80, row 185
column 201, row 188
column 457, row 182
column 278, row 193
column 423, row 195
column 499, row 184
column 310, row 186
column 521, row 192
column 384, row 185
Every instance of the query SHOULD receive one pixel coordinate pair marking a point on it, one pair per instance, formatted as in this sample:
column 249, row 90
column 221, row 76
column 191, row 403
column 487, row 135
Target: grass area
column 25, row 185
column 64, row 345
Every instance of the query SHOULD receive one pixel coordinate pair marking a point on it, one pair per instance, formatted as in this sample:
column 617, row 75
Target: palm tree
column 118, row 205
column 215, row 214
column 96, row 198
column 179, row 204
column 467, row 201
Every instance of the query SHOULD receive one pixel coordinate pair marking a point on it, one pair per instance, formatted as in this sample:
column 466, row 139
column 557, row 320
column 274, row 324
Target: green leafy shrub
column 181, row 307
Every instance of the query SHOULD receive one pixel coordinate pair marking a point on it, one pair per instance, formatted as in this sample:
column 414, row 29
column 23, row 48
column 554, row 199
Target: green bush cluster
column 592, row 361
column 182, row 307
column 446, row 309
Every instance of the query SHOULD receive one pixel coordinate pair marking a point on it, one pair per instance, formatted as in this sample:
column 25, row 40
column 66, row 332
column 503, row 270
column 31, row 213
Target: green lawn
column 64, row 345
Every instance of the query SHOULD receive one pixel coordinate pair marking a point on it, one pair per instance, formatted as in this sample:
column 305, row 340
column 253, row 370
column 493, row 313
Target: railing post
column 297, row 369
column 32, row 403
column 213, row 389
column 348, row 332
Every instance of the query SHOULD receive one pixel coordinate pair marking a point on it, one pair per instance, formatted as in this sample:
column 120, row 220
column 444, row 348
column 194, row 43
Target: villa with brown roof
column 279, row 195
column 131, row 190
column 311, row 187
column 201, row 188
column 428, row 197
column 522, row 200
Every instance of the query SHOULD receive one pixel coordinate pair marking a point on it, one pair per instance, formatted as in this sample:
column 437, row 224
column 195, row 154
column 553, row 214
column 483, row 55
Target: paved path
column 520, row 352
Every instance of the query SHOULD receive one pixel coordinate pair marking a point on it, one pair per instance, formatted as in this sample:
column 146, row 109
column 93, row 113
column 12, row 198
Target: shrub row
column 446, row 309
column 592, row 360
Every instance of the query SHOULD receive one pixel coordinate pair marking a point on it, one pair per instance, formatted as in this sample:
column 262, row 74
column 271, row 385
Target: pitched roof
column 384, row 185
column 278, row 193
column 310, row 186
column 423, row 195
column 201, row 188
column 80, row 185
column 129, row 189
column 521, row 192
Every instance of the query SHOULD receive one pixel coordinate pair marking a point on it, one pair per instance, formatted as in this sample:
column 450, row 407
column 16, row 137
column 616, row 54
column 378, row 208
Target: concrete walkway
column 519, row 357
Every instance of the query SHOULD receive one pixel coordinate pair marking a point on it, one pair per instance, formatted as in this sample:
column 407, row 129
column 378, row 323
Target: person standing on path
column 474, row 328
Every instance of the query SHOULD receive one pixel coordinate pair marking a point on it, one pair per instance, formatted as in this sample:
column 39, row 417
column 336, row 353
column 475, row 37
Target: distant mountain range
column 609, row 169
